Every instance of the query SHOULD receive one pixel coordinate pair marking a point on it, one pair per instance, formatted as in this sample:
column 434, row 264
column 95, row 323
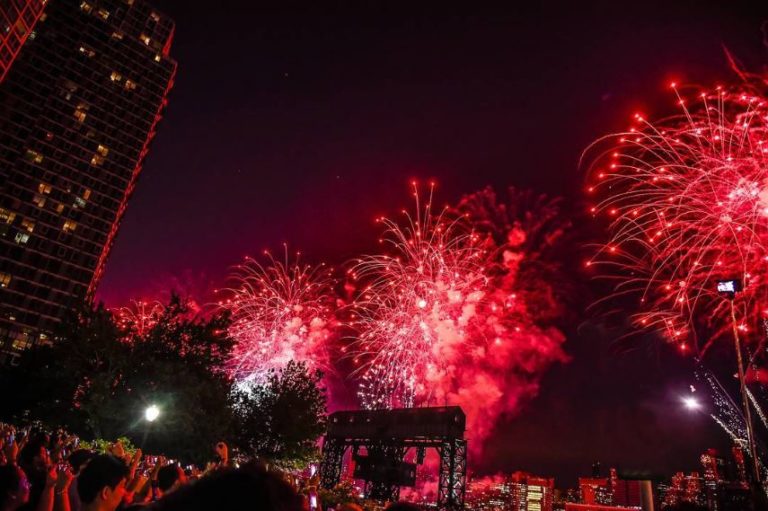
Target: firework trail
column 758, row 408
column 726, row 413
column 140, row 316
column 729, row 416
column 687, row 199
column 440, row 319
column 280, row 311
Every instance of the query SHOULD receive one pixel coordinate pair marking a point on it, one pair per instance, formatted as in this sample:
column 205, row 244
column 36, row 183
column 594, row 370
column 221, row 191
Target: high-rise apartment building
column 17, row 22
column 78, row 110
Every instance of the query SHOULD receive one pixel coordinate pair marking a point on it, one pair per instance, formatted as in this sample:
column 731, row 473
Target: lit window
column 87, row 51
column 60, row 208
column 6, row 216
column 5, row 279
column 79, row 202
column 129, row 85
column 155, row 17
column 22, row 342
column 104, row 13
column 102, row 150
column 115, row 76
column 44, row 188
column 33, row 156
column 97, row 160
column 117, row 35
column 145, row 39
column 80, row 114
column 69, row 226
column 158, row 57
column 49, row 136
column 22, row 238
column 87, row 193
column 39, row 200
column 85, row 6
column 28, row 224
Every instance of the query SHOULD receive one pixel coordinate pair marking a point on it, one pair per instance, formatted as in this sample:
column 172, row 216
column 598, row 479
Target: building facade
column 531, row 493
column 17, row 23
column 78, row 110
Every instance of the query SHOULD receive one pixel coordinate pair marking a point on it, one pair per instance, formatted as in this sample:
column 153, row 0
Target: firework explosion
column 440, row 321
column 687, row 199
column 280, row 312
column 139, row 317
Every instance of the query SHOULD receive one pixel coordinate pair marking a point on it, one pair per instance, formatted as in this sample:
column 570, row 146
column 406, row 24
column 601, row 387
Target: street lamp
column 728, row 289
column 151, row 413
column 691, row 403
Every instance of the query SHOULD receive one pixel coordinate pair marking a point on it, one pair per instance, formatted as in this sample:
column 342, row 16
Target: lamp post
column 729, row 288
column 151, row 413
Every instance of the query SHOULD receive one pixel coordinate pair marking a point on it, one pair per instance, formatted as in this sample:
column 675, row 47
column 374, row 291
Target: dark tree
column 281, row 419
column 97, row 379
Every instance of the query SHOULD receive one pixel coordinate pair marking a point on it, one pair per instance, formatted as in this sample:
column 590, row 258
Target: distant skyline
column 302, row 123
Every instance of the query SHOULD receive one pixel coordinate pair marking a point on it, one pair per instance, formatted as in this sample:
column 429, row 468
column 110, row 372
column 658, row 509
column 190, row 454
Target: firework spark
column 416, row 304
column 280, row 311
column 729, row 416
column 687, row 199
column 442, row 319
column 139, row 317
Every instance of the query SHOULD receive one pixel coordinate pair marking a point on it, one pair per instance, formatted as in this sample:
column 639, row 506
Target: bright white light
column 151, row 413
column 691, row 403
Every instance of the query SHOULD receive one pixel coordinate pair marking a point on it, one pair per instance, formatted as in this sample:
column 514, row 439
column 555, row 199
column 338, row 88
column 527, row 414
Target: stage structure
column 386, row 436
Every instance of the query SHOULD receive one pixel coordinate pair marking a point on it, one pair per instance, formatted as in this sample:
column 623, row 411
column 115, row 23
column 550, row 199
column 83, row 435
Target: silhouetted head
column 234, row 489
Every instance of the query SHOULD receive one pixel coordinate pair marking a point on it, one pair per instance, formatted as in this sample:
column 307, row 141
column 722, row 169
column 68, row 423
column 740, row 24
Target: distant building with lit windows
column 78, row 109
column 531, row 493
column 17, row 24
column 595, row 490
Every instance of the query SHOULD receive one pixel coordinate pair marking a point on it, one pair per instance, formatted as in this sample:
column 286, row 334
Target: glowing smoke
column 445, row 318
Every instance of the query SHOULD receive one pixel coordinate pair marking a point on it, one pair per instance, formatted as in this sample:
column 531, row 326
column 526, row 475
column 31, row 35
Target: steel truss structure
column 389, row 435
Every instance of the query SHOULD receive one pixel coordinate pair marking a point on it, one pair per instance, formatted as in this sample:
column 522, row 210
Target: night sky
column 301, row 123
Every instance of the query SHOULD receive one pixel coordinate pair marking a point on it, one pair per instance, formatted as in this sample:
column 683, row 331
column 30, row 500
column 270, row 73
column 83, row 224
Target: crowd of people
column 44, row 471
column 50, row 471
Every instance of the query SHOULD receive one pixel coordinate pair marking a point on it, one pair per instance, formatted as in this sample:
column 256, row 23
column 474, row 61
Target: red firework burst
column 441, row 318
column 415, row 305
column 139, row 317
column 687, row 199
column 280, row 311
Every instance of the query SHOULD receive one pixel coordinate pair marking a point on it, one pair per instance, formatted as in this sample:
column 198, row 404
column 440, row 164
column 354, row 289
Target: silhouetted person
column 403, row 506
column 170, row 478
column 246, row 488
column 14, row 488
column 101, row 483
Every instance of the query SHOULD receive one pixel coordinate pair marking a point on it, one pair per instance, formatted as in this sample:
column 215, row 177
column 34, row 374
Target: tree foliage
column 99, row 375
column 281, row 419
column 97, row 379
